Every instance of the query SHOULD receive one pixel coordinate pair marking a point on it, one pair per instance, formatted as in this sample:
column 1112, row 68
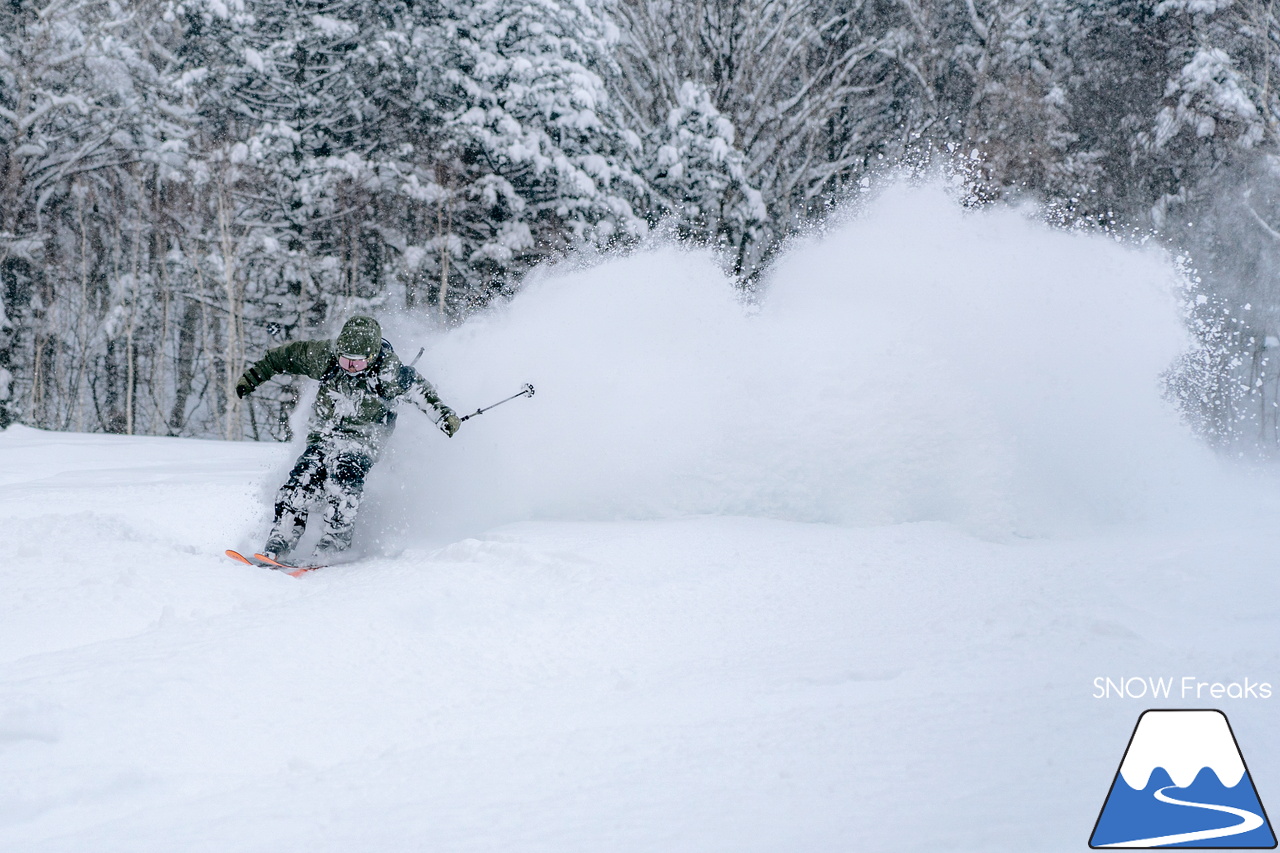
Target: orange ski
column 291, row 571
column 261, row 562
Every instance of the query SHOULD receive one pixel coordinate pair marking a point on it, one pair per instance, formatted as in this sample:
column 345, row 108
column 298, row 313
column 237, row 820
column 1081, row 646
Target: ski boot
column 328, row 547
column 276, row 548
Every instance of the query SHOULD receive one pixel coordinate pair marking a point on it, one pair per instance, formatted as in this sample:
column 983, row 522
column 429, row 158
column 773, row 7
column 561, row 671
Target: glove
column 450, row 423
column 253, row 377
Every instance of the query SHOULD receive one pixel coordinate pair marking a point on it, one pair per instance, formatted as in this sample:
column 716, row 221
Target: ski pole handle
column 527, row 391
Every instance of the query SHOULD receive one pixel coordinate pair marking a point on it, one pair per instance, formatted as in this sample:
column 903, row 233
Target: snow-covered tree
column 1011, row 103
column 186, row 182
column 816, row 93
column 537, row 157
column 699, row 179
column 83, row 121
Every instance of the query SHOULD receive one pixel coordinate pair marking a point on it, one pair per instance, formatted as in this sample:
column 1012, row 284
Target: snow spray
column 918, row 362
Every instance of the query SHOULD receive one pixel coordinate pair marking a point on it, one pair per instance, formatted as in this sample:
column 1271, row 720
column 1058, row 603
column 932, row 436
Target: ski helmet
column 360, row 336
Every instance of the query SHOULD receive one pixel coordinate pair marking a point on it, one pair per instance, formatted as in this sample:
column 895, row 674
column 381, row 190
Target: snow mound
column 920, row 362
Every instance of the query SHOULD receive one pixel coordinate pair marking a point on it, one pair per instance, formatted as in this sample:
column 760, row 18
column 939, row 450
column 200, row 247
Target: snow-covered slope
column 851, row 594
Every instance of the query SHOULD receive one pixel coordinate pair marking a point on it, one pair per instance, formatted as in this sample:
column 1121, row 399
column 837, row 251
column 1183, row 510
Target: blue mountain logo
column 1183, row 783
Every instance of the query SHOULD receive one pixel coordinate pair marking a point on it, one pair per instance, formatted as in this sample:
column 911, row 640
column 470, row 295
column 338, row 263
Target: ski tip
column 240, row 558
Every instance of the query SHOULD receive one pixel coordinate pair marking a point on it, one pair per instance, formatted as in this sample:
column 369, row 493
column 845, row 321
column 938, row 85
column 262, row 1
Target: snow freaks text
column 1186, row 687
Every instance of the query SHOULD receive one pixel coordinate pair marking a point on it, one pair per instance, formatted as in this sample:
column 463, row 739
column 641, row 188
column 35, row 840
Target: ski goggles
column 353, row 363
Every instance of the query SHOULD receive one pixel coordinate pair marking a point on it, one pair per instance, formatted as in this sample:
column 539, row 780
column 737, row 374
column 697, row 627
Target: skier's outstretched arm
column 422, row 394
column 300, row 358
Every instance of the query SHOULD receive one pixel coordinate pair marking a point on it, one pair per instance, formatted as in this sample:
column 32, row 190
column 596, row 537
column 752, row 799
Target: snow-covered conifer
column 698, row 175
column 538, row 157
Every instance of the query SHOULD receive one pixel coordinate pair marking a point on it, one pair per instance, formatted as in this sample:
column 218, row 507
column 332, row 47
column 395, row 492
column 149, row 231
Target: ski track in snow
column 837, row 575
column 1248, row 822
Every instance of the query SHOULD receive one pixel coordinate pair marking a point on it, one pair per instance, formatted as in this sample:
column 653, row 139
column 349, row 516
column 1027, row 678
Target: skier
column 361, row 381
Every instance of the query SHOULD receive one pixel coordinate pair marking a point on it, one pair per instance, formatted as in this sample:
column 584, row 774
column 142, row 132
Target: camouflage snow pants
column 329, row 471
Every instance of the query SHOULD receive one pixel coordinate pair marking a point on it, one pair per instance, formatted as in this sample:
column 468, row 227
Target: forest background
column 185, row 183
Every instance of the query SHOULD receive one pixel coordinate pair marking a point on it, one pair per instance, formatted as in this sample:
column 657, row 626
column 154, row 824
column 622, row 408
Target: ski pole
column 527, row 391
column 418, row 356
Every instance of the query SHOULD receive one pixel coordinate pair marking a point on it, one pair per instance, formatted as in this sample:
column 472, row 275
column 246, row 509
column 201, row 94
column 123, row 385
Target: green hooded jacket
column 360, row 407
